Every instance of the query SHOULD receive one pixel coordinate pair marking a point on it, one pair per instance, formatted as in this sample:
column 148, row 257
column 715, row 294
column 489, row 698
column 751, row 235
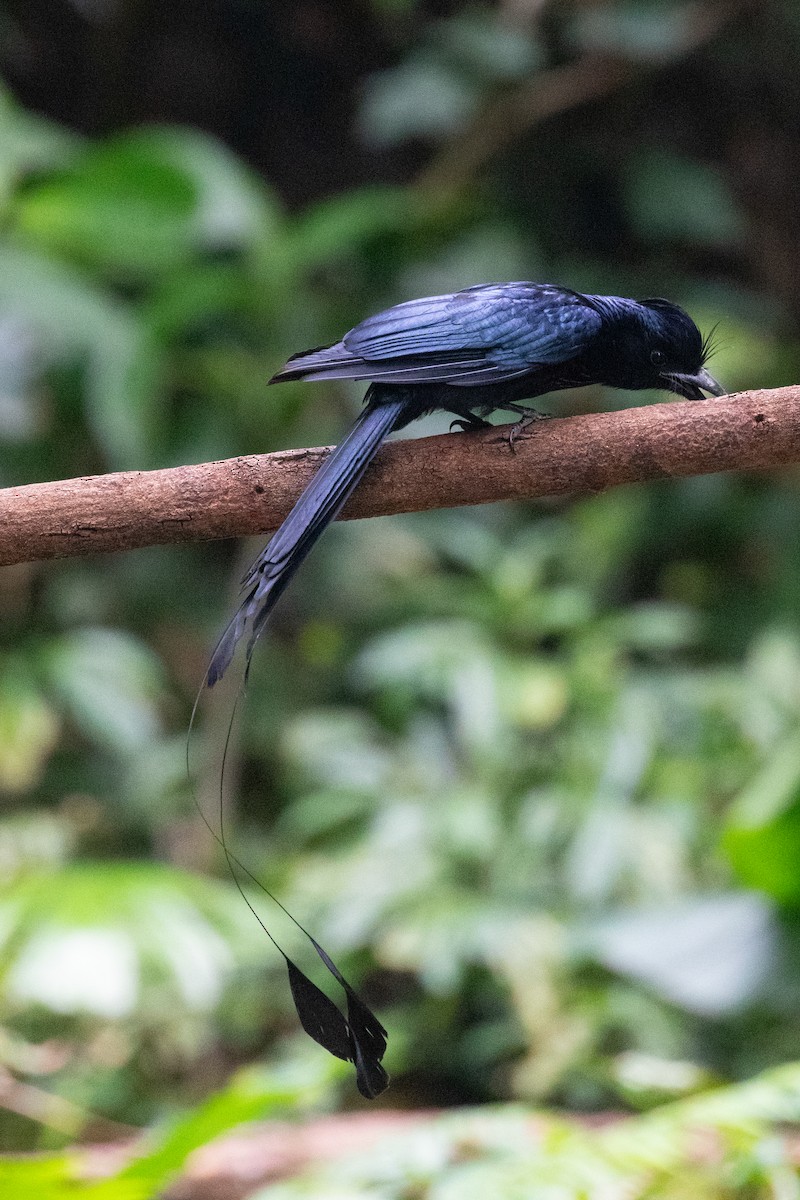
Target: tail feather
column 352, row 1033
column 322, row 359
column 319, row 504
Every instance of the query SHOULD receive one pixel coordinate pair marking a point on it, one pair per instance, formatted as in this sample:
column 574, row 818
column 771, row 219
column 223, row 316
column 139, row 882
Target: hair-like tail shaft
column 319, row 504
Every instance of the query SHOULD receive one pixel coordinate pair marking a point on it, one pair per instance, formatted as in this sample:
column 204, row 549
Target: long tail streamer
column 355, row 1034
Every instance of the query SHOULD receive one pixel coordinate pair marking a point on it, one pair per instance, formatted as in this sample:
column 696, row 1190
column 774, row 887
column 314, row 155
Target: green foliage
column 440, row 84
column 55, row 1179
column 721, row 1144
column 145, row 204
column 129, row 966
column 531, row 774
column 673, row 197
column 75, row 323
column 250, row 1095
column 538, row 782
column 762, row 837
column 29, row 144
column 29, row 727
column 644, row 30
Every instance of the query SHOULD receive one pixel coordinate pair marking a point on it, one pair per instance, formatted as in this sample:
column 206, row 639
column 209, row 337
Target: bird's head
column 673, row 352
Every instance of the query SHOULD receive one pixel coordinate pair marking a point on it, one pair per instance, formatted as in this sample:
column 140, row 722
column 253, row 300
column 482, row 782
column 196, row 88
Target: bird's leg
column 469, row 423
column 527, row 417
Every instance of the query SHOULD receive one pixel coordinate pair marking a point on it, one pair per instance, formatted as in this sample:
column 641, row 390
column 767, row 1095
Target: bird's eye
column 658, row 358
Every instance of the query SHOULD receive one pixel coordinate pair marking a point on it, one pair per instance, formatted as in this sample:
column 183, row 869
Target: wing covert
column 502, row 329
column 483, row 334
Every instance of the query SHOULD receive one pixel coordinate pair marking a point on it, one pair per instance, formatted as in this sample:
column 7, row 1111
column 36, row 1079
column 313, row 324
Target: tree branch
column 572, row 455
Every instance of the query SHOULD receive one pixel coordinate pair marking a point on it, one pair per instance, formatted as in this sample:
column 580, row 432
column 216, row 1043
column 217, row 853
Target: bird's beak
column 693, row 386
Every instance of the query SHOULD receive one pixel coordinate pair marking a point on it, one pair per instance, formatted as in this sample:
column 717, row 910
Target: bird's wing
column 482, row 334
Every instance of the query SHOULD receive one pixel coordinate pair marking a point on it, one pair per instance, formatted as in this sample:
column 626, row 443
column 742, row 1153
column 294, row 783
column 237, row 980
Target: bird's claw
column 469, row 424
column 531, row 415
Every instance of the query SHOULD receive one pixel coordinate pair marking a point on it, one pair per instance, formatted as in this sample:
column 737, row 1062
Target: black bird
column 468, row 353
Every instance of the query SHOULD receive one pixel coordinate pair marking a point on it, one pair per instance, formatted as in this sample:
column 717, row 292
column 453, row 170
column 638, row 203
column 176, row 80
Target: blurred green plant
column 735, row 1142
column 531, row 772
column 720, row 1144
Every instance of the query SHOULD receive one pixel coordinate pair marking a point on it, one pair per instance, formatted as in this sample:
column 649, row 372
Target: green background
column 530, row 773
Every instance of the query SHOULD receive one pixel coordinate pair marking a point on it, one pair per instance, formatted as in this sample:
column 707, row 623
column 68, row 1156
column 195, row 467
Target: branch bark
column 573, row 455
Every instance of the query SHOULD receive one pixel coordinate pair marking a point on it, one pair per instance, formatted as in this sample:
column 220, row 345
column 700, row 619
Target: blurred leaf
column 646, row 1080
column 125, row 207
column 424, row 657
column 188, row 300
column 674, row 197
column 709, row 955
column 109, row 682
column 656, row 627
column 22, row 413
column 28, row 728
column 340, row 748
column 29, row 143
column 252, row 1094
column 444, row 936
column 485, row 47
column 493, row 252
column 233, row 207
column 762, row 830
column 651, row 30
column 535, row 695
column 438, row 86
column 145, row 202
column 35, row 841
column 49, row 1175
column 422, row 98
column 110, row 940
column 324, row 814
column 340, row 225
column 60, row 1179
column 72, row 322
column 721, row 1144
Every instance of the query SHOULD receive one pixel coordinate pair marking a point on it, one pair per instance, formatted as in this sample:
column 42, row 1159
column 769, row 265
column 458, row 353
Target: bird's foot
column 529, row 415
column 470, row 423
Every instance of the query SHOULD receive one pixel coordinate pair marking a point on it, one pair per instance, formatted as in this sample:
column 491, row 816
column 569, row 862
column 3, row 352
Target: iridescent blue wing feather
column 484, row 334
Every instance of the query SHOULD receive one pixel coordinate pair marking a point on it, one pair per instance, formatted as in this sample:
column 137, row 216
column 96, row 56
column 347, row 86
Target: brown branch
column 573, row 455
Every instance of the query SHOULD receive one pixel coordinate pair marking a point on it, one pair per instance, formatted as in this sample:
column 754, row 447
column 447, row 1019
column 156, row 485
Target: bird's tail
column 319, row 504
column 354, row 1034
